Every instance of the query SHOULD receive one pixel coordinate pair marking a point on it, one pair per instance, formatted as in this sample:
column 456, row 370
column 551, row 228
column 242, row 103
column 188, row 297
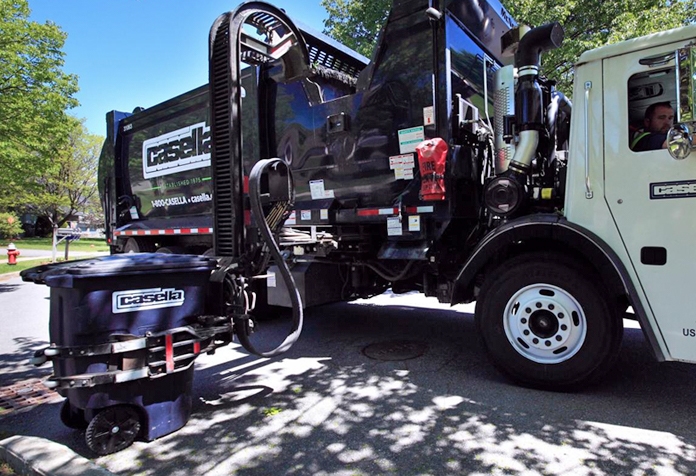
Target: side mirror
column 679, row 141
column 686, row 84
column 680, row 138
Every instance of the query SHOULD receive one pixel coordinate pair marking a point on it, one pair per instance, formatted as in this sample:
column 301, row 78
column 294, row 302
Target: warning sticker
column 428, row 115
column 401, row 161
column 292, row 219
column 306, row 215
column 414, row 223
column 410, row 138
column 323, row 214
column 402, row 165
column 394, row 226
column 316, row 188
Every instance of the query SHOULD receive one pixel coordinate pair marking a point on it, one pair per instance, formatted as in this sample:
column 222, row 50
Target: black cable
column 242, row 324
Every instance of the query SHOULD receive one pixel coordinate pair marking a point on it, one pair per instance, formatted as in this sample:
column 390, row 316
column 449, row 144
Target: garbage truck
column 446, row 164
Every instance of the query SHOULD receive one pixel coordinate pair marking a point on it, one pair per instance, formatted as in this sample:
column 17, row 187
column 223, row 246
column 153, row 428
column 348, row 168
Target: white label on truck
column 414, row 223
column 316, row 188
column 292, row 219
column 146, row 299
column 271, row 280
column 183, row 149
column 428, row 115
column 410, row 138
column 402, row 165
column 323, row 214
column 394, row 226
column 306, row 215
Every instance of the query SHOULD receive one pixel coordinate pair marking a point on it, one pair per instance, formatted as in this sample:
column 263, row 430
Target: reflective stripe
column 637, row 139
column 169, row 231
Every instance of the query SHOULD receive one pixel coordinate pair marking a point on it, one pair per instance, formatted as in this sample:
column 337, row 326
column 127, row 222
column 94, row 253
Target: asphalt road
column 327, row 409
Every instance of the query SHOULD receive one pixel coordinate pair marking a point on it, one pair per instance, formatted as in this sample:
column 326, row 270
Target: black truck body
column 308, row 175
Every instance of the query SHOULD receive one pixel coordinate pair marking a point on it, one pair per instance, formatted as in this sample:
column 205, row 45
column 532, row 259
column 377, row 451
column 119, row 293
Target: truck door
column 651, row 196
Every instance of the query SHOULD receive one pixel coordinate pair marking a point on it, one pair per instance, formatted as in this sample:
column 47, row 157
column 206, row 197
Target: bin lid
column 120, row 265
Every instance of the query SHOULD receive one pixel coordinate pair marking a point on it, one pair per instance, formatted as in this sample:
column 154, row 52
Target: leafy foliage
column 34, row 96
column 356, row 23
column 588, row 24
column 69, row 185
column 10, row 227
column 594, row 23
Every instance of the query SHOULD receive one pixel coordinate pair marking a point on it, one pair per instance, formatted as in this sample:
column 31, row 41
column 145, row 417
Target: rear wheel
column 546, row 324
column 134, row 245
column 72, row 417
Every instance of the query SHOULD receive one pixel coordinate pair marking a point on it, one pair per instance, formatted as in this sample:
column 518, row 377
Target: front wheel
column 113, row 429
column 546, row 324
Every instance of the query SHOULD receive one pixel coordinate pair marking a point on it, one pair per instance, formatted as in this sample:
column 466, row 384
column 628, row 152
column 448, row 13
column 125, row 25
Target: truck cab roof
column 636, row 44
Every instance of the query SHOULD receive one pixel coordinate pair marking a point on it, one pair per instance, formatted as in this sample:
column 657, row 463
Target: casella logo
column 177, row 151
column 146, row 299
column 681, row 189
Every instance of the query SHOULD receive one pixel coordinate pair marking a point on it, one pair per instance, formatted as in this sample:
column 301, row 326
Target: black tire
column 546, row 324
column 72, row 417
column 134, row 245
column 113, row 429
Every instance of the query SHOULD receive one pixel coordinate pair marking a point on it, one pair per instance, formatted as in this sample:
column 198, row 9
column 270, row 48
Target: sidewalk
column 36, row 456
column 32, row 455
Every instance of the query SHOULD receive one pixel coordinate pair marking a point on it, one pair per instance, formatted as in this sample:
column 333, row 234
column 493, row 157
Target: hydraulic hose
column 242, row 325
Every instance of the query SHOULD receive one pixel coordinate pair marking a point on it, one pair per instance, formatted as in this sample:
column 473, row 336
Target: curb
column 34, row 456
column 8, row 276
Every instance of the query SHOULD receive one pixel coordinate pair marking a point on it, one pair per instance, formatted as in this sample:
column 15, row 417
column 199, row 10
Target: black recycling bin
column 123, row 342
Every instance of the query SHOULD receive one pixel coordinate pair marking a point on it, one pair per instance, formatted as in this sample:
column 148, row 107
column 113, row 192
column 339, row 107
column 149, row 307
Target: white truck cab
column 641, row 204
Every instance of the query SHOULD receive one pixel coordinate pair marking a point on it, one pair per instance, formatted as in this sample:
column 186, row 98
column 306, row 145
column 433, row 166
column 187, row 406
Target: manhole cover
column 26, row 394
column 396, row 350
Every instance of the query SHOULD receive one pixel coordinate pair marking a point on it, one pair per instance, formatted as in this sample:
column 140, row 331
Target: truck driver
column 659, row 118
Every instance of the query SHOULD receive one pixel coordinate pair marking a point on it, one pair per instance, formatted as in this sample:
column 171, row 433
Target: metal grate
column 25, row 395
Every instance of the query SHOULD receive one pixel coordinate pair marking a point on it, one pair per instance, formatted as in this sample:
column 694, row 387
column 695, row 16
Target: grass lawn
column 6, row 268
column 85, row 244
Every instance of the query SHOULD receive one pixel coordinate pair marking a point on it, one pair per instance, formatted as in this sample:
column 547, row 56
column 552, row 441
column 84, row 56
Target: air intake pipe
column 529, row 104
column 506, row 193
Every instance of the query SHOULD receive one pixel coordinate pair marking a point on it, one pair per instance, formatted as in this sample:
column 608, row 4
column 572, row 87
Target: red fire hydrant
column 12, row 253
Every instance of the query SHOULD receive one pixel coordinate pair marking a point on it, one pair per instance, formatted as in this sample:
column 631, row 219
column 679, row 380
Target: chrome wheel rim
column 545, row 324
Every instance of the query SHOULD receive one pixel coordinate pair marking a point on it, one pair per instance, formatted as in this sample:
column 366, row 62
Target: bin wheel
column 113, row 429
column 72, row 417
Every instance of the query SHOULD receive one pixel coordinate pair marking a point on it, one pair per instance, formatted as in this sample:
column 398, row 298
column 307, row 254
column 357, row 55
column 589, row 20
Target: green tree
column 10, row 227
column 35, row 94
column 69, row 185
column 356, row 23
column 588, row 24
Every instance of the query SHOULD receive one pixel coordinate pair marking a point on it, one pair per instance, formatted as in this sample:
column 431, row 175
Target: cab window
column 651, row 106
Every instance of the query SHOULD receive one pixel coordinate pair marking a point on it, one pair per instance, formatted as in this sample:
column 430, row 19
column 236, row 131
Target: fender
column 548, row 228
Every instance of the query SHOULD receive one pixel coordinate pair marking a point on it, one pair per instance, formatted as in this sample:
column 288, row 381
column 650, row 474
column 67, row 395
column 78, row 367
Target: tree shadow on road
column 8, row 288
column 16, row 366
column 325, row 408
column 334, row 411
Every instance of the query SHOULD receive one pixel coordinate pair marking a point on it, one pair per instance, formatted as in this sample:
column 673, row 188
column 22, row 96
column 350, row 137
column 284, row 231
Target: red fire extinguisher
column 12, row 253
column 432, row 159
